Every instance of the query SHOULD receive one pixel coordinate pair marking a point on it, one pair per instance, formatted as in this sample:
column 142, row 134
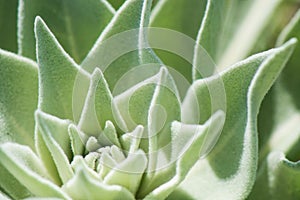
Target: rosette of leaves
column 65, row 135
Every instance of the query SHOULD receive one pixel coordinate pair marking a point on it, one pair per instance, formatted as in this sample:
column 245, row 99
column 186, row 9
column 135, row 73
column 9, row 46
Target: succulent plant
column 152, row 100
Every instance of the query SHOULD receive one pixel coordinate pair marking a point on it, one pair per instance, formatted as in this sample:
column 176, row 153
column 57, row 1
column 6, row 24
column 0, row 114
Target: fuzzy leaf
column 131, row 141
column 277, row 179
column 55, row 135
column 57, row 76
column 109, row 135
column 8, row 25
column 186, row 146
column 125, row 39
column 85, row 186
column 141, row 104
column 233, row 160
column 77, row 140
column 99, row 107
column 74, row 22
column 18, row 98
column 25, row 166
column 128, row 173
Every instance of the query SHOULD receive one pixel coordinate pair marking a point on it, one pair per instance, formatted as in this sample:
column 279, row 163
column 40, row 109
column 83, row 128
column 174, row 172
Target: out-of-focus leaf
column 76, row 23
column 230, row 28
column 182, row 16
column 277, row 179
column 8, row 25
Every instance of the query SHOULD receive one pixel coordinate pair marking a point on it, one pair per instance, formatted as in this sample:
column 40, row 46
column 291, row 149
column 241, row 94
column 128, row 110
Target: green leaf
column 85, row 186
column 55, row 135
column 8, row 25
column 76, row 23
column 25, row 166
column 143, row 103
column 182, row 16
column 282, row 132
column 277, row 179
column 125, row 40
column 18, row 98
column 57, row 77
column 99, row 107
column 187, row 144
column 116, row 3
column 131, row 141
column 231, row 165
column 230, row 28
column 11, row 186
column 109, row 135
column 289, row 78
column 77, row 140
column 129, row 172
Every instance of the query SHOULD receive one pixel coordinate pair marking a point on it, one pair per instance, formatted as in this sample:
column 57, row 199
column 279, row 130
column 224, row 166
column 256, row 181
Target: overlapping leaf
column 124, row 43
column 233, row 160
column 76, row 24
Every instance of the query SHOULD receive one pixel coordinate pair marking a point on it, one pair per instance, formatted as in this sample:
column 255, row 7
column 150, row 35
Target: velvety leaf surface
column 8, row 25
column 57, row 76
column 25, row 166
column 126, row 48
column 233, row 160
column 55, row 135
column 18, row 98
column 187, row 144
column 99, row 107
column 83, row 186
column 76, row 24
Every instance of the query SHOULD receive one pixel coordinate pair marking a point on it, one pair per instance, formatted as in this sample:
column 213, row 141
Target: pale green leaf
column 141, row 104
column 230, row 28
column 131, row 141
column 10, row 185
column 109, row 135
column 187, row 146
column 8, row 25
column 85, row 186
column 25, row 166
column 231, row 165
column 99, row 107
column 76, row 23
column 281, row 108
column 129, row 172
column 125, row 40
column 55, row 135
column 277, row 179
column 57, row 76
column 18, row 98
column 77, row 140
column 182, row 16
